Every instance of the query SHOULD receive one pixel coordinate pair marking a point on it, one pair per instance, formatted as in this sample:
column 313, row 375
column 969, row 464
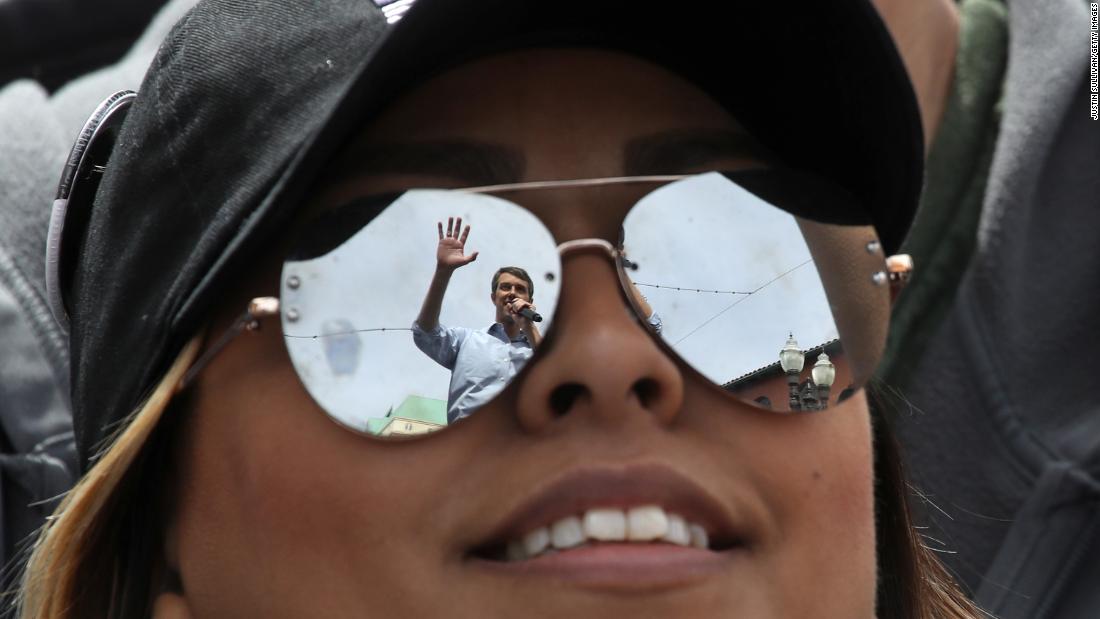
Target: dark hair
column 101, row 555
column 518, row 272
column 912, row 582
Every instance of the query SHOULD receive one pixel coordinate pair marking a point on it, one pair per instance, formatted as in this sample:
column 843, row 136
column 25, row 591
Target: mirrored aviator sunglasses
column 769, row 284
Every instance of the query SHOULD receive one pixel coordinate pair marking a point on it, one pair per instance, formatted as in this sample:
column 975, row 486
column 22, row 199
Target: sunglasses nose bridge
column 602, row 247
column 587, row 245
column 592, row 246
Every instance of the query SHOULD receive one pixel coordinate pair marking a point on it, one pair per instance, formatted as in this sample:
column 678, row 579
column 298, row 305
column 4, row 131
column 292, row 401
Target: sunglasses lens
column 357, row 282
column 739, row 294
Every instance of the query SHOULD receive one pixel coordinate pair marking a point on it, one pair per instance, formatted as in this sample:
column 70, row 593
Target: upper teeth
column 645, row 523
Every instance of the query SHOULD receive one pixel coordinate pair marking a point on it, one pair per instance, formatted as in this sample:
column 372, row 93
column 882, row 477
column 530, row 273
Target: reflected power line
column 682, row 289
column 746, row 296
column 743, row 295
column 353, row 331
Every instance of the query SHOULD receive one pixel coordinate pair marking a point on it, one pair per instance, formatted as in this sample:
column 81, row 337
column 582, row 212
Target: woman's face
column 283, row 513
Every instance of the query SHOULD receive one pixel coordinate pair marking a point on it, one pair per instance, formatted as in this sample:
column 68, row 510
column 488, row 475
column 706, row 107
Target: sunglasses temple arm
column 258, row 308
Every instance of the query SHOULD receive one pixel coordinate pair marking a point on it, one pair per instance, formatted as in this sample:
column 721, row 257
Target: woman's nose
column 600, row 362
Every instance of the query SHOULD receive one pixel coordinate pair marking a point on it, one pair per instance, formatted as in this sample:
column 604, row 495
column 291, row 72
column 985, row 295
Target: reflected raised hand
column 450, row 254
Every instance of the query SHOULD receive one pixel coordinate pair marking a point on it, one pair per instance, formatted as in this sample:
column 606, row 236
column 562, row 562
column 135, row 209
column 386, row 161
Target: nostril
column 564, row 396
column 647, row 391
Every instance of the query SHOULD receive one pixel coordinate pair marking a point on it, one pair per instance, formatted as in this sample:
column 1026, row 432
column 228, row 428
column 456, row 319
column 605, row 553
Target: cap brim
column 820, row 84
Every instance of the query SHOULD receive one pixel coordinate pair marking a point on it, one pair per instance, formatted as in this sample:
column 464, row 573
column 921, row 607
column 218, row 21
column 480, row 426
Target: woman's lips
column 614, row 526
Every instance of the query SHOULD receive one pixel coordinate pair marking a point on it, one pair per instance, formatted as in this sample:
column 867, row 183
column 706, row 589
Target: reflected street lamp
column 814, row 393
column 823, row 375
column 792, row 360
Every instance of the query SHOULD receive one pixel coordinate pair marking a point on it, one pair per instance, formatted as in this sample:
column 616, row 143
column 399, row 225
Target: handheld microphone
column 526, row 312
column 530, row 314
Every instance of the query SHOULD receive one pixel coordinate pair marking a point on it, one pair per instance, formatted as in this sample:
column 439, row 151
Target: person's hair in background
column 518, row 272
column 108, row 552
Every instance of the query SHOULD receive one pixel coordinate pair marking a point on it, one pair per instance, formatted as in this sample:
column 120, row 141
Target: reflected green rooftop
column 414, row 408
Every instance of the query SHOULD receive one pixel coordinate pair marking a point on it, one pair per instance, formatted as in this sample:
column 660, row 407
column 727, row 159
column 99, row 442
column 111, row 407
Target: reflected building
column 772, row 387
column 415, row 415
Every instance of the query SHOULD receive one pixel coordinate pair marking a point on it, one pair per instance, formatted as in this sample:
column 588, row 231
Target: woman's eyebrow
column 468, row 162
column 687, row 150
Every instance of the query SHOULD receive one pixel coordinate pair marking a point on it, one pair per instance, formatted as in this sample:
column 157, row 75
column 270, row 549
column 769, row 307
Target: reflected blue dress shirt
column 482, row 362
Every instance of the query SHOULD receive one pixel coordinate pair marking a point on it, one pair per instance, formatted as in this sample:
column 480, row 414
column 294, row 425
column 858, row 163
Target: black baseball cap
column 246, row 102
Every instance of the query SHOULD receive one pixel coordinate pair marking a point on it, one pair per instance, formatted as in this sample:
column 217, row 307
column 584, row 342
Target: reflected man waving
column 482, row 362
